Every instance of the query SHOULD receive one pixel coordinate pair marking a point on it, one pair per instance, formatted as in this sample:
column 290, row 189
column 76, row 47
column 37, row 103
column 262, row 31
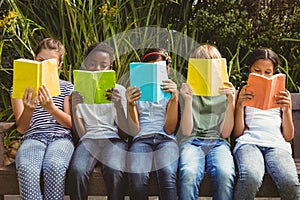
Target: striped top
column 43, row 122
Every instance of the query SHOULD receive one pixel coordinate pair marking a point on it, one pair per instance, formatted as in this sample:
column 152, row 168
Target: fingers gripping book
column 33, row 74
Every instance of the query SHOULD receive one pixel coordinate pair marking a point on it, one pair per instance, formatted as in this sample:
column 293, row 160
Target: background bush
column 236, row 27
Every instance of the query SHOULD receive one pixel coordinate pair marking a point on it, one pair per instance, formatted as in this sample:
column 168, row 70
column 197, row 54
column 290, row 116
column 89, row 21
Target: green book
column 92, row 85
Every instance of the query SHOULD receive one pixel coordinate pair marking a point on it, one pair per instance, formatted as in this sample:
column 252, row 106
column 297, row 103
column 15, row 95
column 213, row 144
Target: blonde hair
column 206, row 51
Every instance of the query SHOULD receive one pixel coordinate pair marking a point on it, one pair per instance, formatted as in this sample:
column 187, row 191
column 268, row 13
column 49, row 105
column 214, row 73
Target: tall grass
column 129, row 26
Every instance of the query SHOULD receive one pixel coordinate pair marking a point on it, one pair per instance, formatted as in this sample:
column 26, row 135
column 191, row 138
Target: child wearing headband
column 154, row 147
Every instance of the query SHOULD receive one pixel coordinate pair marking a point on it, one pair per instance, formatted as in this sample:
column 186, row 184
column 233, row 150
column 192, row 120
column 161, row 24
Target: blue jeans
column 156, row 153
column 48, row 155
column 252, row 161
column 111, row 155
column 212, row 156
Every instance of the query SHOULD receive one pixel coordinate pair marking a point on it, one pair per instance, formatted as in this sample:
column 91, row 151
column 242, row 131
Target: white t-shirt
column 100, row 119
column 264, row 129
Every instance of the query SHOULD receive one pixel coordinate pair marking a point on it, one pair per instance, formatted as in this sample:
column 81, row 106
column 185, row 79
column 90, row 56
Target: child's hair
column 102, row 47
column 263, row 53
column 153, row 54
column 51, row 44
column 206, row 51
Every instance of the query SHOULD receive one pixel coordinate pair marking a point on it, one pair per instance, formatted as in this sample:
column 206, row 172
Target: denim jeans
column 49, row 155
column 252, row 161
column 156, row 153
column 212, row 156
column 111, row 160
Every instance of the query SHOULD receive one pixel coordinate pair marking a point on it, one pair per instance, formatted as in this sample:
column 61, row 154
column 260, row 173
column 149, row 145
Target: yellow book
column 33, row 74
column 206, row 76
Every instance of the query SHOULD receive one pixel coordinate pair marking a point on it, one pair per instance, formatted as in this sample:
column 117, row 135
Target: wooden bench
column 9, row 184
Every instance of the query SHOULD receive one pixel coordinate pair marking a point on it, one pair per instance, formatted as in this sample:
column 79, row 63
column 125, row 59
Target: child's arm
column 186, row 122
column 239, row 122
column 115, row 96
column 23, row 110
column 284, row 99
column 77, row 122
column 228, row 122
column 172, row 107
column 62, row 117
column 132, row 95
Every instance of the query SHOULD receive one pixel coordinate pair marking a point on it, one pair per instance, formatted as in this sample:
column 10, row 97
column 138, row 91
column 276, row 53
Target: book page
column 264, row 90
column 92, row 85
column 50, row 77
column 206, row 76
column 29, row 73
column 219, row 75
column 161, row 76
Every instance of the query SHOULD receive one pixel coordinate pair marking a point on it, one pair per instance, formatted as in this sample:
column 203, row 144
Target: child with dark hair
column 263, row 137
column 101, row 130
column 154, row 147
column 45, row 123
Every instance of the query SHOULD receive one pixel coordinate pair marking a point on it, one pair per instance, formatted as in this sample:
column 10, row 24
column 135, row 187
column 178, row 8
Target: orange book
column 264, row 90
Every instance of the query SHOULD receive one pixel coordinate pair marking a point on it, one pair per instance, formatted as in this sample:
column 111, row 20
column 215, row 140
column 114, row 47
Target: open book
column 148, row 77
column 92, row 85
column 206, row 76
column 264, row 90
column 33, row 74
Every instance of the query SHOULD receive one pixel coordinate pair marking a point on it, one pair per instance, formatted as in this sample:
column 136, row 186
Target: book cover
column 264, row 90
column 33, row 74
column 92, row 85
column 206, row 76
column 149, row 77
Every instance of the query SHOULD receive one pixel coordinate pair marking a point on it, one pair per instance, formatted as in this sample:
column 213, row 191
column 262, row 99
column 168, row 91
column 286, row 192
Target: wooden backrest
column 4, row 127
column 296, row 120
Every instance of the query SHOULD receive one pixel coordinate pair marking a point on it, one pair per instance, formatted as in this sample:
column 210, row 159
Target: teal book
column 92, row 85
column 149, row 77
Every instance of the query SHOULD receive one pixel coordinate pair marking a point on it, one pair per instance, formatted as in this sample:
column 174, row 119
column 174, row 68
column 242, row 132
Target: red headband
column 150, row 54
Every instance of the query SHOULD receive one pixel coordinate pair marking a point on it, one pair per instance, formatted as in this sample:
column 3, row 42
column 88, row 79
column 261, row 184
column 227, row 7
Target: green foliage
column 236, row 27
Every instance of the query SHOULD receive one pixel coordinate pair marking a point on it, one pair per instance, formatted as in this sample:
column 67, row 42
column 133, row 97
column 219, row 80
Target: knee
column 225, row 176
column 113, row 175
column 251, row 177
column 137, row 180
column 53, row 167
column 188, row 176
column 77, row 171
column 28, row 171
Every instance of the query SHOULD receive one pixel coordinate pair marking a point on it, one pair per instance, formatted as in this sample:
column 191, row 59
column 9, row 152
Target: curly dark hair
column 102, row 47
